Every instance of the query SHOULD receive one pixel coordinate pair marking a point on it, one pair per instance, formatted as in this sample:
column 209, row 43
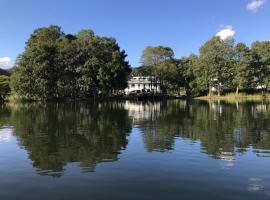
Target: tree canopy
column 58, row 65
column 221, row 64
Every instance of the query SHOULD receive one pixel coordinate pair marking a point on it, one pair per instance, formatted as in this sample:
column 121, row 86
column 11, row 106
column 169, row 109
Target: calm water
column 132, row 150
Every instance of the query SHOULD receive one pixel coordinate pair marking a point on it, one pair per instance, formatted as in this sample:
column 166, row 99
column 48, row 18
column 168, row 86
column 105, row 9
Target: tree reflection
column 57, row 134
column 223, row 129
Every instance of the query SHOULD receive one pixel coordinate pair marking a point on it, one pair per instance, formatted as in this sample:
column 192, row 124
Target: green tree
column 67, row 62
column 186, row 74
column 104, row 67
column 56, row 65
column 216, row 59
column 158, row 60
column 153, row 56
column 36, row 73
column 261, row 56
column 4, row 87
column 141, row 71
column 243, row 73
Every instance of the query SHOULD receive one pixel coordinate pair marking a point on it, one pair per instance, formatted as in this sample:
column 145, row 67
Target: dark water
column 131, row 150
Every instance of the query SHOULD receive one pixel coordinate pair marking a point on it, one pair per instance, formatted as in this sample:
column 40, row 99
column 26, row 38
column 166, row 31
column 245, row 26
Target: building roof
column 142, row 80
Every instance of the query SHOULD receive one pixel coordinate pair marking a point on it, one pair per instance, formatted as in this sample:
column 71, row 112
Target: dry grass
column 232, row 97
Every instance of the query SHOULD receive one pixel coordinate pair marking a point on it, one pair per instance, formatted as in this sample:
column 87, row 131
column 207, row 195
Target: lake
column 135, row 150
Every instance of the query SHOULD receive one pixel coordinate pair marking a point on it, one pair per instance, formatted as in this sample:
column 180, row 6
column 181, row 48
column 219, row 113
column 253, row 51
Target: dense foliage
column 58, row 65
column 4, row 87
column 221, row 64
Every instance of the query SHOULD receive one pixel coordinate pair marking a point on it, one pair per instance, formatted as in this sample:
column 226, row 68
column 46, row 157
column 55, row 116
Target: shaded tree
column 4, row 87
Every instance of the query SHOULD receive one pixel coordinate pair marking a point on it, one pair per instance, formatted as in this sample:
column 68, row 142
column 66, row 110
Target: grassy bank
column 13, row 98
column 233, row 97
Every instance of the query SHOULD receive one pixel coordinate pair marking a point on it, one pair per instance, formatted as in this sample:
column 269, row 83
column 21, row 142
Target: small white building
column 143, row 84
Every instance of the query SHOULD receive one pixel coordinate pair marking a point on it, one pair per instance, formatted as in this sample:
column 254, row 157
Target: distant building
column 143, row 84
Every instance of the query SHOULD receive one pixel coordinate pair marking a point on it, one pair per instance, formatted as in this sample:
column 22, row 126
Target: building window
column 132, row 85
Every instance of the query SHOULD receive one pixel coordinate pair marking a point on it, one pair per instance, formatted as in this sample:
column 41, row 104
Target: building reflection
column 141, row 111
column 222, row 128
column 57, row 134
column 5, row 134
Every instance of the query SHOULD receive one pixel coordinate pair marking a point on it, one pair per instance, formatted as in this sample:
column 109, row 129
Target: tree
column 37, row 72
column 261, row 56
column 4, row 87
column 153, row 56
column 186, row 78
column 158, row 60
column 104, row 67
column 56, row 65
column 216, row 58
column 243, row 73
column 67, row 62
column 142, row 71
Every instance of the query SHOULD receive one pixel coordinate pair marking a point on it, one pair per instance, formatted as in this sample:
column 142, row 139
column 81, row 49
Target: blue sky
column 183, row 25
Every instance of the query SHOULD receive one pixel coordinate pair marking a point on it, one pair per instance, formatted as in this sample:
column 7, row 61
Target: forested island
column 55, row 65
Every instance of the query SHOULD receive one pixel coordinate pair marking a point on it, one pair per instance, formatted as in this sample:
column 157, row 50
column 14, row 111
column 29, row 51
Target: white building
column 143, row 84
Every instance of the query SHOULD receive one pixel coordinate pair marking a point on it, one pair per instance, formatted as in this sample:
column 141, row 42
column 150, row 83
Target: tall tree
column 153, row 56
column 216, row 57
column 68, row 60
column 186, row 71
column 261, row 56
column 37, row 71
column 158, row 59
column 243, row 73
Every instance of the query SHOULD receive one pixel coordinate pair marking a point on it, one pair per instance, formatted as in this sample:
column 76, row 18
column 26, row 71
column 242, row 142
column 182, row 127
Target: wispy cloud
column 255, row 5
column 226, row 32
column 5, row 62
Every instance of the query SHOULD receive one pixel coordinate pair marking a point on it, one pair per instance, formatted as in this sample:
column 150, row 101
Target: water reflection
column 60, row 133
column 223, row 129
column 5, row 134
column 57, row 134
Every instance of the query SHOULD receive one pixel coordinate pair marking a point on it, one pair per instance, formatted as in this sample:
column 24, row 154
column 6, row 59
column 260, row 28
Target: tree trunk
column 262, row 88
column 188, row 92
column 210, row 91
column 218, row 89
column 237, row 91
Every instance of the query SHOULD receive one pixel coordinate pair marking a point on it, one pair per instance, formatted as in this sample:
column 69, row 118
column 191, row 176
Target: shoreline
column 146, row 97
column 228, row 98
column 234, row 97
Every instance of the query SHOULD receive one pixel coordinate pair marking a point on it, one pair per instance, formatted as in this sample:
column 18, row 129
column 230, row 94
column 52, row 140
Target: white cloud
column 255, row 5
column 226, row 32
column 5, row 62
